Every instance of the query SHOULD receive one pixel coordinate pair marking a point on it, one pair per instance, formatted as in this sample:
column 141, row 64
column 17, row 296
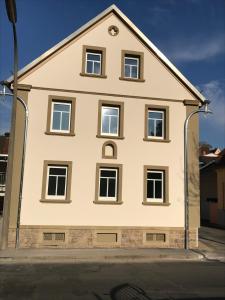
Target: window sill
column 59, row 133
column 110, row 137
column 93, row 75
column 132, row 79
column 108, row 202
column 55, row 201
column 156, row 203
column 156, row 140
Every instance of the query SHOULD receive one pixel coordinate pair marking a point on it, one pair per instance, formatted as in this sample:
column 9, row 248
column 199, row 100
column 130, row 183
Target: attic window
column 93, row 63
column 132, row 66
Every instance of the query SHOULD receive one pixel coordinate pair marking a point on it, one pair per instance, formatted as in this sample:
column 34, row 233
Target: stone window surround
column 166, row 185
column 121, row 118
column 141, row 65
column 166, row 123
column 61, row 99
column 119, row 167
column 114, row 146
column 47, row 163
column 102, row 50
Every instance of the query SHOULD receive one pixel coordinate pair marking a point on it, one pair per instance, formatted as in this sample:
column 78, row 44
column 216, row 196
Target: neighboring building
column 212, row 186
column 4, row 143
column 104, row 156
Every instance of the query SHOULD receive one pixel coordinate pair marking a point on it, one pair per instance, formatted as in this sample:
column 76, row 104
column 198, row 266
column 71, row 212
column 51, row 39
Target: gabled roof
column 114, row 9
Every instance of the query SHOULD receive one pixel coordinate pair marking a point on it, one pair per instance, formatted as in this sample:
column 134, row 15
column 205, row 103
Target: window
column 132, row 65
column 155, row 180
column 56, row 181
column 156, row 123
column 93, row 63
column 61, row 115
column 108, row 183
column 155, row 185
column 60, row 119
column 110, row 119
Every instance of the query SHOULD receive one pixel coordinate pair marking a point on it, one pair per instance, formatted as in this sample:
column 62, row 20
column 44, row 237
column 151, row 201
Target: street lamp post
column 186, row 171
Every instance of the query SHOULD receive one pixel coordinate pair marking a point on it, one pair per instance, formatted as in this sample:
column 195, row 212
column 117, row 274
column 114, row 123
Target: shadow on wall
column 193, row 168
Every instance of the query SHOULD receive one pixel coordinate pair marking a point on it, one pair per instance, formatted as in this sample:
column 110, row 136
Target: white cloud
column 6, row 105
column 215, row 92
column 196, row 49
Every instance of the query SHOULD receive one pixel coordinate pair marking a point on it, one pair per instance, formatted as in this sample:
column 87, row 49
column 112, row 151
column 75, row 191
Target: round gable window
column 113, row 30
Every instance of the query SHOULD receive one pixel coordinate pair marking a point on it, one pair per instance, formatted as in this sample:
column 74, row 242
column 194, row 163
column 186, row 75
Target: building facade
column 212, row 186
column 104, row 156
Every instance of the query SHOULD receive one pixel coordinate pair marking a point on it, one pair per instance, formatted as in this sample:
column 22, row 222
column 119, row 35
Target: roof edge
column 119, row 13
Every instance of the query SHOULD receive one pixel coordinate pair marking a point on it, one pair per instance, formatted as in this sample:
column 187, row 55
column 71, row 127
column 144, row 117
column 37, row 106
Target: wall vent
column 155, row 237
column 54, row 236
column 107, row 237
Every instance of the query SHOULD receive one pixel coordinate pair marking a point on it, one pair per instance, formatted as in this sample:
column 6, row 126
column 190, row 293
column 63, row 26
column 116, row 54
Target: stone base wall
column 101, row 237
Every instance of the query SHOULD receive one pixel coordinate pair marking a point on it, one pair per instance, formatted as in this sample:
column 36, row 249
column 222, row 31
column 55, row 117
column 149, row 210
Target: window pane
column 57, row 171
column 158, row 189
column 134, row 73
column 89, row 67
column 152, row 175
column 97, row 68
column 149, row 189
column 127, row 71
column 56, row 120
column 108, row 173
column 131, row 61
column 114, row 125
column 52, row 185
column 110, row 111
column 92, row 56
column 151, row 127
column 158, row 128
column 105, row 124
column 112, row 188
column 61, row 107
column 155, row 115
column 65, row 121
column 61, row 186
column 103, row 187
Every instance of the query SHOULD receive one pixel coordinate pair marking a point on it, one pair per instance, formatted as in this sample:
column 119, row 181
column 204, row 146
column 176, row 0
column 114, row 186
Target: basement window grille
column 54, row 236
column 155, row 237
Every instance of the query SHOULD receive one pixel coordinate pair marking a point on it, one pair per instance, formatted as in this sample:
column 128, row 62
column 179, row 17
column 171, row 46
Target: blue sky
column 191, row 33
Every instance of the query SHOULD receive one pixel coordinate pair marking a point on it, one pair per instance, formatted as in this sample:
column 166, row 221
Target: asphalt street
column 167, row 280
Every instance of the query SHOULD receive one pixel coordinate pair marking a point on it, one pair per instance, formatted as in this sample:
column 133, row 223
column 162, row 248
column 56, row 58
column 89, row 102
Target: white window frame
column 93, row 61
column 159, row 200
column 52, row 112
column 163, row 120
column 131, row 66
column 116, row 185
column 118, row 120
column 56, row 197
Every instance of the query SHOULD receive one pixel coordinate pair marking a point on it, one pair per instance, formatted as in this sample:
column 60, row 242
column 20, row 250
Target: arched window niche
column 109, row 150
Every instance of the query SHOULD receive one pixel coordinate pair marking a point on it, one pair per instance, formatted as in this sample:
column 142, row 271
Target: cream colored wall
column 62, row 71
column 84, row 150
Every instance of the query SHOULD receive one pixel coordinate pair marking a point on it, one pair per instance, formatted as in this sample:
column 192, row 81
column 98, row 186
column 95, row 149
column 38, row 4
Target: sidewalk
column 96, row 255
